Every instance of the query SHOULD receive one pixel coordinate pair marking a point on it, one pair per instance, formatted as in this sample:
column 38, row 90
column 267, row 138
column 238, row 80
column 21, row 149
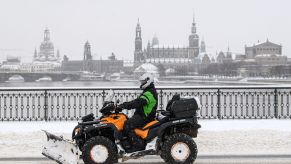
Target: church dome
column 155, row 41
column 46, row 49
column 47, row 45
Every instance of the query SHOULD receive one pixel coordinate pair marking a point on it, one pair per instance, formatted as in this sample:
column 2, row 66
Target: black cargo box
column 184, row 108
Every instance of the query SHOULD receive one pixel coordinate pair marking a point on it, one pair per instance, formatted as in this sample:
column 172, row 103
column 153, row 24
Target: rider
column 145, row 110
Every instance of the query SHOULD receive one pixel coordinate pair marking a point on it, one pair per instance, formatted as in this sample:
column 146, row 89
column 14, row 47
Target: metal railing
column 49, row 104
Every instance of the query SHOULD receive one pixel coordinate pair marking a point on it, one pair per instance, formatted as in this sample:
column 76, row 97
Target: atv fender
column 101, row 129
column 189, row 122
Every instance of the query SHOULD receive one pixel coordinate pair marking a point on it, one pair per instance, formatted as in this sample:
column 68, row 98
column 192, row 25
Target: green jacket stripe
column 151, row 102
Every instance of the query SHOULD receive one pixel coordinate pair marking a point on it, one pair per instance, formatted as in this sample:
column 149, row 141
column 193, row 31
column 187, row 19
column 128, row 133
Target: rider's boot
column 137, row 144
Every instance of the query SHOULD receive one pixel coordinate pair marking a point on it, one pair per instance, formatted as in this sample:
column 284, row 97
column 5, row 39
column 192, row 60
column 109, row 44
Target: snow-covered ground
column 25, row 139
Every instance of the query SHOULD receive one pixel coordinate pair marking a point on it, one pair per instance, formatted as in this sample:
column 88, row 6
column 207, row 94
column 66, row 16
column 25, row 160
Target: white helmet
column 145, row 80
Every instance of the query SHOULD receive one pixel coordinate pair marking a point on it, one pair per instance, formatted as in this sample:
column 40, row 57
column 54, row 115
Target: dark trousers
column 136, row 121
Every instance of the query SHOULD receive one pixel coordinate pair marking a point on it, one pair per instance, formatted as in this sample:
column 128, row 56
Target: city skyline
column 109, row 26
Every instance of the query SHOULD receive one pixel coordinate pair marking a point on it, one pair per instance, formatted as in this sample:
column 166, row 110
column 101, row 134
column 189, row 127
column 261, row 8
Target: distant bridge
column 33, row 76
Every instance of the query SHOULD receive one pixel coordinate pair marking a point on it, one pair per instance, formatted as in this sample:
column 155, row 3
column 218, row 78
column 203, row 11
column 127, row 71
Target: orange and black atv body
column 169, row 136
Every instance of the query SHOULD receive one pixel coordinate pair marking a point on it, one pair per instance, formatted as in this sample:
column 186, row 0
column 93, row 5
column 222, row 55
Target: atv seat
column 150, row 124
column 143, row 132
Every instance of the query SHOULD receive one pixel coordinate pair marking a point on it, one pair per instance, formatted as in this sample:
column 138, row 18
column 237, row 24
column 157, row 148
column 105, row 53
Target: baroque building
column 168, row 56
column 45, row 60
column 46, row 50
column 88, row 64
column 266, row 53
column 263, row 48
column 262, row 59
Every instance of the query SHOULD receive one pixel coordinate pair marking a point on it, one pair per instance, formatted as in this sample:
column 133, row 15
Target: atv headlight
column 77, row 131
column 198, row 113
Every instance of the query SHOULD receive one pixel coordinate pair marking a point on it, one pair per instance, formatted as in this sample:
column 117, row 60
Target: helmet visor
column 143, row 82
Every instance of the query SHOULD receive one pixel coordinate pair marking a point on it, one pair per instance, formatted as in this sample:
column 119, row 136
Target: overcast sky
column 109, row 25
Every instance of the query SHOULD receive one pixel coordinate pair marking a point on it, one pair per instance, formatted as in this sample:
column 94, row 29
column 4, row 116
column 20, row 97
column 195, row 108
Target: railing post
column 161, row 99
column 276, row 103
column 218, row 104
column 45, row 105
column 103, row 95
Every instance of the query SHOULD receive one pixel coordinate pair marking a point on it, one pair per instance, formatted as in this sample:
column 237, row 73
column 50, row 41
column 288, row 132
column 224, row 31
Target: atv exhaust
column 60, row 150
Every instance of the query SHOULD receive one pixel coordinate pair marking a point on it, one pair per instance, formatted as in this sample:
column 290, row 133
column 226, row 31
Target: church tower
column 203, row 46
column 87, row 60
column 58, row 54
column 138, row 54
column 35, row 54
column 87, row 51
column 193, row 42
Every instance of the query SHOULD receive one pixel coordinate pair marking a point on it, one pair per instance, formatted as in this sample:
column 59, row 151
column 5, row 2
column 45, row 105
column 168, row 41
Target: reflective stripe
column 151, row 102
column 144, row 97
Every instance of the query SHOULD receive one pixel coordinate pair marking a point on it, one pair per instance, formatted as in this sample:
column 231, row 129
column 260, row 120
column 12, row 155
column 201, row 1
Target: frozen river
column 128, row 83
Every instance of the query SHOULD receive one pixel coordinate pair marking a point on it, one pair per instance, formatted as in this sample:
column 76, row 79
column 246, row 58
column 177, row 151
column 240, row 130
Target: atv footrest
column 138, row 154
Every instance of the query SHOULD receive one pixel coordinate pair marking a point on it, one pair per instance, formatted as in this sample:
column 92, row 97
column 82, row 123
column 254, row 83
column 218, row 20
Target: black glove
column 118, row 109
column 124, row 105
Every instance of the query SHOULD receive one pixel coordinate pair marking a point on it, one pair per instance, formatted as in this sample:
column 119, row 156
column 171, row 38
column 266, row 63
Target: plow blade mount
column 60, row 150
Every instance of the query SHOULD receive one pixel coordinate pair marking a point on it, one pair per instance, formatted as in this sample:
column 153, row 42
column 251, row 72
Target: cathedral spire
column 149, row 44
column 138, row 29
column 193, row 29
column 193, row 17
column 203, row 46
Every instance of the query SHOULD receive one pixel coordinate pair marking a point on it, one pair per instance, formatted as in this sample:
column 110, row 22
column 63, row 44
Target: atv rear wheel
column 179, row 148
column 99, row 150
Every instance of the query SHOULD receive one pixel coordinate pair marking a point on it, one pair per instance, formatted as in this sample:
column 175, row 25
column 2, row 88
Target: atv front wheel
column 179, row 148
column 99, row 150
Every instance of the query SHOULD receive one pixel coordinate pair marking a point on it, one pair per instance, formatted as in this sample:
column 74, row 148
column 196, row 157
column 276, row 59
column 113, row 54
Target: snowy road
column 219, row 142
column 213, row 159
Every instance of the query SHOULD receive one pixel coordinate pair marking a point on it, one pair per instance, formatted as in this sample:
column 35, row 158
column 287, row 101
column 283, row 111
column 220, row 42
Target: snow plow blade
column 60, row 150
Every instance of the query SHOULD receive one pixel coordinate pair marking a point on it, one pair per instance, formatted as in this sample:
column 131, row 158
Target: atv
column 101, row 140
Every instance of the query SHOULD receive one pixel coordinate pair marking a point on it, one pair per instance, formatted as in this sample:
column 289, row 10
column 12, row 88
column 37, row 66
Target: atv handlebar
column 90, row 122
